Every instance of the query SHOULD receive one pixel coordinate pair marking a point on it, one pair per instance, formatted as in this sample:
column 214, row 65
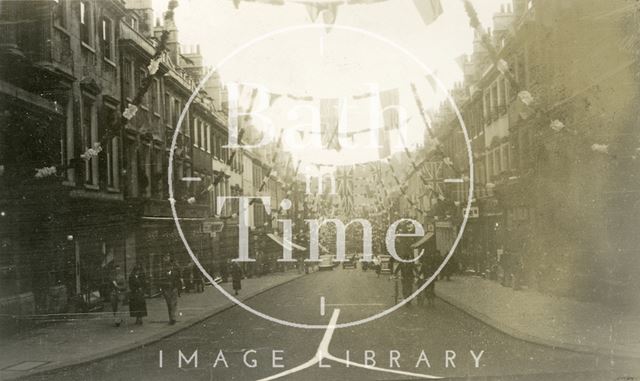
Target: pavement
column 68, row 340
column 237, row 345
column 545, row 319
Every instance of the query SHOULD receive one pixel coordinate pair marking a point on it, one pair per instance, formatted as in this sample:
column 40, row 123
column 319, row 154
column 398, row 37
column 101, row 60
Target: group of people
column 170, row 283
column 117, row 292
column 412, row 273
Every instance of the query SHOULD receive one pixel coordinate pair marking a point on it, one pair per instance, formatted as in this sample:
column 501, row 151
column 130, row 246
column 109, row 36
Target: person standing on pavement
column 137, row 285
column 116, row 294
column 170, row 284
column 236, row 277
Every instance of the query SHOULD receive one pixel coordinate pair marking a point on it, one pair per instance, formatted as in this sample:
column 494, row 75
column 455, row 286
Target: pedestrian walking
column 236, row 277
column 137, row 286
column 407, row 278
column 170, row 284
column 116, row 294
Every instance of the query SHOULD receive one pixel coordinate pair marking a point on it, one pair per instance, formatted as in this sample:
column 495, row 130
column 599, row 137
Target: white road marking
column 458, row 181
column 355, row 304
column 323, row 353
column 196, row 179
column 322, row 306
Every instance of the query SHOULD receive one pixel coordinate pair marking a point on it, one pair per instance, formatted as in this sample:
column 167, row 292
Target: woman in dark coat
column 236, row 277
column 137, row 303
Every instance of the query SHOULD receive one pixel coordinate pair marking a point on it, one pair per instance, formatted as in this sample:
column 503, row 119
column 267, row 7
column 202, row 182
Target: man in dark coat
column 236, row 276
column 407, row 277
column 170, row 284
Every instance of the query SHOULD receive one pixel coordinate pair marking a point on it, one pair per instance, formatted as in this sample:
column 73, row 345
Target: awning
column 281, row 242
column 422, row 241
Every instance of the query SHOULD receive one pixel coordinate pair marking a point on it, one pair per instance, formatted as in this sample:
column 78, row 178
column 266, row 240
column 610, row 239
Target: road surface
column 440, row 341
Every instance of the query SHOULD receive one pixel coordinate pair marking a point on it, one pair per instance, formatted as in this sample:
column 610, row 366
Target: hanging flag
column 389, row 100
column 312, row 10
column 429, row 10
column 273, row 98
column 329, row 121
column 329, row 14
column 345, row 190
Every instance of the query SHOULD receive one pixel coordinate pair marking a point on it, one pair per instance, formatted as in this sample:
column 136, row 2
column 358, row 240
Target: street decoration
column 525, row 96
column 119, row 123
column 428, row 10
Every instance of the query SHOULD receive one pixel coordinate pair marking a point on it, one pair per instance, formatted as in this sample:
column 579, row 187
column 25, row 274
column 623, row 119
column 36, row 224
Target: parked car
column 326, row 263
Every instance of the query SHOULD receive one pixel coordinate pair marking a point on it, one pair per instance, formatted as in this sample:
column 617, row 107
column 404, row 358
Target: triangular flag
column 313, row 11
column 330, row 13
column 273, row 98
column 429, row 10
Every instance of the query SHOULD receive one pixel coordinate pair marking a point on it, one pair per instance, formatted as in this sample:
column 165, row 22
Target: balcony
column 28, row 38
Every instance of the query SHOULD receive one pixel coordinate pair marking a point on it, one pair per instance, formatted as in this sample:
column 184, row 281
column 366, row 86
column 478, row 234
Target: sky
column 385, row 43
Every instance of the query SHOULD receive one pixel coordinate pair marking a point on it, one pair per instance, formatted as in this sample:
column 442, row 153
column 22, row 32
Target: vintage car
column 326, row 262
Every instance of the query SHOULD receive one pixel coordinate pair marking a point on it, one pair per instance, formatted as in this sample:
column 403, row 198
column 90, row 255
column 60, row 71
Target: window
column 147, row 96
column 61, row 13
column 132, row 167
column 487, row 104
column 155, row 96
column 112, row 152
column 127, row 75
column 505, row 156
column 158, row 178
column 108, row 45
column 167, row 108
column 134, row 23
column 175, row 112
column 203, row 143
column 496, row 161
column 521, row 70
column 208, row 139
column 144, row 175
column 494, row 100
column 196, row 135
column 86, row 23
column 89, row 137
column 137, row 80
